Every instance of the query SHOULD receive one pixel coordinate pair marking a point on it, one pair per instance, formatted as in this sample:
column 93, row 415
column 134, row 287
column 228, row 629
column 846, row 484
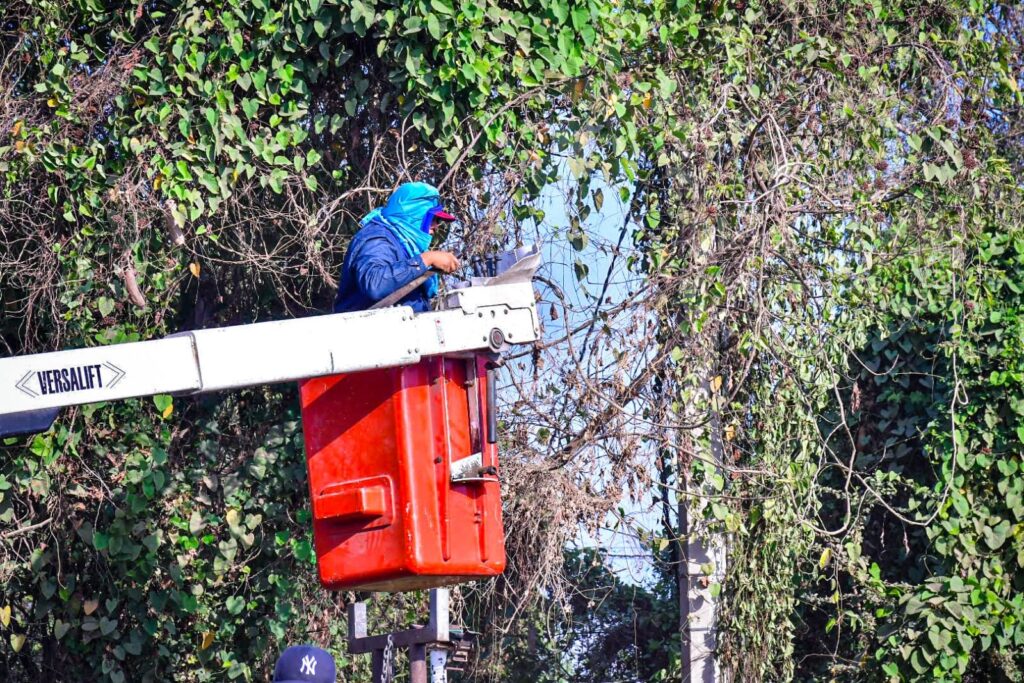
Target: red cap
column 438, row 212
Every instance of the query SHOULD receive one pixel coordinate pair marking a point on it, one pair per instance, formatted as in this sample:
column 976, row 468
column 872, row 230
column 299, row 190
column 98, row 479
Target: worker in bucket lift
column 392, row 248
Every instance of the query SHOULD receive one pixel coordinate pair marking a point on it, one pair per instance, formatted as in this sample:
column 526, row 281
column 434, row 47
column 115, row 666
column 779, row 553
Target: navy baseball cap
column 305, row 664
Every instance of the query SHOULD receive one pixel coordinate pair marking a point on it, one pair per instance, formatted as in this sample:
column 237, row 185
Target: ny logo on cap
column 308, row 665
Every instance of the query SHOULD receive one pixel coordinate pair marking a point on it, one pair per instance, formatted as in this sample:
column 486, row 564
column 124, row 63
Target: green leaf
column 362, row 15
column 443, row 6
column 412, row 25
column 107, row 626
column 560, row 9
column 196, row 522
column 183, row 170
column 919, row 664
column 995, row 536
column 580, row 17
column 105, row 306
column 151, row 542
column 434, row 26
column 276, row 180
column 235, row 604
column 60, row 629
column 250, row 107
column 259, row 79
column 578, row 240
column 939, row 638
column 322, row 24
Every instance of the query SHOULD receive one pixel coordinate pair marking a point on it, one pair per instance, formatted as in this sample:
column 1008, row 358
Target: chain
column 387, row 667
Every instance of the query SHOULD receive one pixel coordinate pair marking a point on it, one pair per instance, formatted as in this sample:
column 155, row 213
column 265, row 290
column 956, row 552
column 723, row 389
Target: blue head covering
column 408, row 215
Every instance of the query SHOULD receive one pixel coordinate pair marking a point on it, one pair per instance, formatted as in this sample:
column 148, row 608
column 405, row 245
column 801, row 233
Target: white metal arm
column 264, row 353
column 474, row 318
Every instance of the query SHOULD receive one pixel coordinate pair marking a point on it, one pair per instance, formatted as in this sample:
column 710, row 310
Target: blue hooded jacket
column 386, row 252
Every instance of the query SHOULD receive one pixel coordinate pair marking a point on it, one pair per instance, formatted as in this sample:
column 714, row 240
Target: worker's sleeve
column 378, row 274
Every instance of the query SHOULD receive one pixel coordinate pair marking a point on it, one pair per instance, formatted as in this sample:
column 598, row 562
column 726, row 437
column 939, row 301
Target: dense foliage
column 936, row 435
column 170, row 165
column 836, row 244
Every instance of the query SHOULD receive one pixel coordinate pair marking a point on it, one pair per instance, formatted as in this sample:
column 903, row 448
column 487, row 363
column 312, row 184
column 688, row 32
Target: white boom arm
column 488, row 316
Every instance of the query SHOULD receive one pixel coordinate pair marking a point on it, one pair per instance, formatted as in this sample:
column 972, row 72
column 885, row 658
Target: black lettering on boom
column 63, row 380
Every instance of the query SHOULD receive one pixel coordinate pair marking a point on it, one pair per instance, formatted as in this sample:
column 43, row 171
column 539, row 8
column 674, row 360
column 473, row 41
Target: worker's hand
column 444, row 261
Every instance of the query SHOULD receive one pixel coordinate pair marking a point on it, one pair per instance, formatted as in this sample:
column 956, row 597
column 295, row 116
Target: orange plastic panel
column 357, row 501
column 379, row 447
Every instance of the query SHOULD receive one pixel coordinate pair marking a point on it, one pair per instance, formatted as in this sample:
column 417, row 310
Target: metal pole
column 439, row 665
column 702, row 549
column 418, row 663
column 439, row 599
column 377, row 663
column 683, row 578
